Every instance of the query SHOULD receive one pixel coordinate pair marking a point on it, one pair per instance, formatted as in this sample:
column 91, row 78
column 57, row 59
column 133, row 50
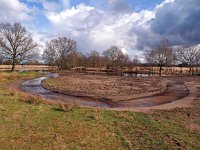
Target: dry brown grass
column 104, row 86
column 27, row 126
column 145, row 70
column 28, row 67
column 26, row 98
column 67, row 106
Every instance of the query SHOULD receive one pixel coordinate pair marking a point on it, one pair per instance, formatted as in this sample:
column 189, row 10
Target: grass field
column 27, row 67
column 26, row 125
column 139, row 70
column 146, row 70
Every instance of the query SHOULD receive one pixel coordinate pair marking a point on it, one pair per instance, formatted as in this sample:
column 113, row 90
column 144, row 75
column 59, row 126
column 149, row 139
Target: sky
column 132, row 25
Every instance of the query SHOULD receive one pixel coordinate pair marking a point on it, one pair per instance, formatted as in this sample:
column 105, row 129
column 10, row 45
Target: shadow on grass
column 58, row 109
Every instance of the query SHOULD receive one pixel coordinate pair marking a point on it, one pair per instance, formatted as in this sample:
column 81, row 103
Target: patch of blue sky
column 138, row 5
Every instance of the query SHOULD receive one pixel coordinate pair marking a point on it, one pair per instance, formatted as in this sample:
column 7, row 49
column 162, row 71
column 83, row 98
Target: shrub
column 67, row 106
column 12, row 92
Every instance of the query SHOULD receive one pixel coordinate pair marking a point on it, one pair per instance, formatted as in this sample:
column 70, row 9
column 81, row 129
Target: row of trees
column 18, row 46
column 66, row 56
column 165, row 55
column 63, row 53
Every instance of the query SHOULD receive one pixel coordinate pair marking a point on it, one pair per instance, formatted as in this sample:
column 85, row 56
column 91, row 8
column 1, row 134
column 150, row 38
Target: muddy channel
column 175, row 90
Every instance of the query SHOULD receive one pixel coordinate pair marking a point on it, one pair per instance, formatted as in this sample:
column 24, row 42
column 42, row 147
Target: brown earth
column 106, row 87
column 127, row 93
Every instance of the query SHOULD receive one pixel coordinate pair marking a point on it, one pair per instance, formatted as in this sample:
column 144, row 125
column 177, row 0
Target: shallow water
column 173, row 92
column 34, row 87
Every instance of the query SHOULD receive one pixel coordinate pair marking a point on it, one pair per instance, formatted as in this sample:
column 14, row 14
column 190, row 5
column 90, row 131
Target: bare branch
column 15, row 42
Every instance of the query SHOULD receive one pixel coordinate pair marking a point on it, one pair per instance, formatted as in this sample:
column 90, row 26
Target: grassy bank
column 30, row 126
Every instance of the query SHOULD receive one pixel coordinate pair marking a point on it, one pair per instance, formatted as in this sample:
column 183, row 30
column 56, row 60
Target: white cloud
column 161, row 5
column 14, row 10
column 97, row 29
column 124, row 51
column 49, row 5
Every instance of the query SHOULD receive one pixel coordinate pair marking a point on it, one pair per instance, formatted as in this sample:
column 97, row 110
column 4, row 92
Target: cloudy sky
column 132, row 25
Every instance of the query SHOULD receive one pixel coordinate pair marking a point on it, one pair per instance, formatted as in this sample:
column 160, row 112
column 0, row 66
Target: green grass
column 31, row 126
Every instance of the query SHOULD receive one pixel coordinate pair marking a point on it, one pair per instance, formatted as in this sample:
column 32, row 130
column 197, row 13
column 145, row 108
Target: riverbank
column 39, row 126
column 128, row 93
column 115, row 88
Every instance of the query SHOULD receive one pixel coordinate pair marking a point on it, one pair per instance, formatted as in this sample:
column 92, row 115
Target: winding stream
column 173, row 92
column 34, row 87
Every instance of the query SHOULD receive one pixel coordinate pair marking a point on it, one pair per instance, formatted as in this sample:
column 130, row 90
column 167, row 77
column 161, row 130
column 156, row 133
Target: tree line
column 165, row 55
column 18, row 46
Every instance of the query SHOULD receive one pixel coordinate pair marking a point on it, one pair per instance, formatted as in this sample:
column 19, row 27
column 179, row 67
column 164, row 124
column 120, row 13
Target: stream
column 172, row 93
column 34, row 87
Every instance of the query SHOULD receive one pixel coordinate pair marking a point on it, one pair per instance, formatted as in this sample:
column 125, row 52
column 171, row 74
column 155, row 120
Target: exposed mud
column 115, row 88
column 174, row 91
column 34, row 87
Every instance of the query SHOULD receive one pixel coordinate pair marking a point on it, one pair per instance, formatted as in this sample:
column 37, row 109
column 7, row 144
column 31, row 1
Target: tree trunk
column 160, row 70
column 196, row 69
column 149, row 72
column 13, row 65
column 190, row 70
column 136, row 71
column 181, row 70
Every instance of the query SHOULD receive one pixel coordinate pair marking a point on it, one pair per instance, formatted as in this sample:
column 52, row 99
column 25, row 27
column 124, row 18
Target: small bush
column 67, row 106
column 12, row 92
column 31, row 99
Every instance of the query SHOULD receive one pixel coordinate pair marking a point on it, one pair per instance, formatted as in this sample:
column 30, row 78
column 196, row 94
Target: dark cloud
column 179, row 22
column 121, row 6
column 145, row 38
column 113, row 22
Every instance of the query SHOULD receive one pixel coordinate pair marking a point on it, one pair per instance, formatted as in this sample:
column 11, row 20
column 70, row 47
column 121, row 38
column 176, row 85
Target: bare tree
column 15, row 43
column 74, row 59
column 57, row 50
column 116, row 58
column 122, row 61
column 189, row 55
column 135, row 63
column 198, row 60
column 94, row 59
column 113, row 53
column 161, row 56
